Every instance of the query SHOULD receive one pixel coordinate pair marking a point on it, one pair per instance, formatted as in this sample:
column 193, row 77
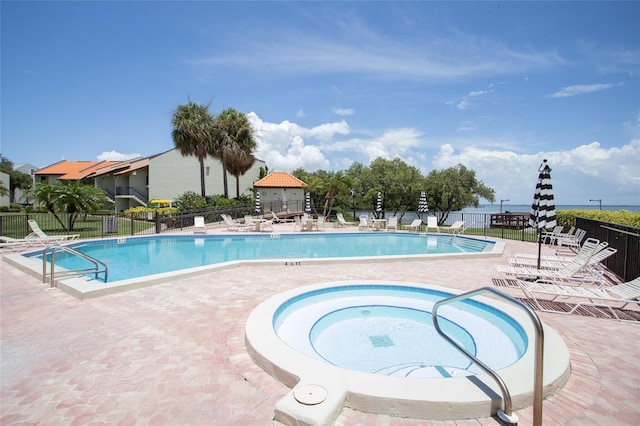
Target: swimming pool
column 282, row 333
column 135, row 262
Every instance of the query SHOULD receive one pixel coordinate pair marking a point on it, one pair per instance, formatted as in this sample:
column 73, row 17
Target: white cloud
column 464, row 104
column 580, row 89
column 343, row 111
column 116, row 156
column 579, row 174
column 300, row 113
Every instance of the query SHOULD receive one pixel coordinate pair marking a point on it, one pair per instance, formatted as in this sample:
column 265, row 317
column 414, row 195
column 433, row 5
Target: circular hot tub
column 373, row 347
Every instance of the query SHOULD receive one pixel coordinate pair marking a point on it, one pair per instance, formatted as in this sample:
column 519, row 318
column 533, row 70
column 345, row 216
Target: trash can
column 109, row 224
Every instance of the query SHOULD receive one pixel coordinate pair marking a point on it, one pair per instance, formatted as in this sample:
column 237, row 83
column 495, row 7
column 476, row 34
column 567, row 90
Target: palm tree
column 239, row 162
column 193, row 133
column 333, row 185
column 234, row 144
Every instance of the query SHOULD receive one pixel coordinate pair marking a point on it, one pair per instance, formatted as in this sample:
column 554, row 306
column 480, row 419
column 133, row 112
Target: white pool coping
column 422, row 398
column 83, row 287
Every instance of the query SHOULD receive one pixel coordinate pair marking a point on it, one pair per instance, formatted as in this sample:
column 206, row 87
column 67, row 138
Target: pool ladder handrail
column 51, row 277
column 505, row 414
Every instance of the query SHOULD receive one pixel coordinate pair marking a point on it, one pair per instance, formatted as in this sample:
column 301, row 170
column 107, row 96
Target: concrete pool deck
column 174, row 353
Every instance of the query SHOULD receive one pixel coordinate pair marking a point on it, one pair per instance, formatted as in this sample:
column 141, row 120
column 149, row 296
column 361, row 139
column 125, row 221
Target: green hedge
column 567, row 218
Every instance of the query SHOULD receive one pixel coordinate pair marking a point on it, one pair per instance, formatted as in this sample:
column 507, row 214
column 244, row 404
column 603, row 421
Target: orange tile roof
column 73, row 170
column 280, row 180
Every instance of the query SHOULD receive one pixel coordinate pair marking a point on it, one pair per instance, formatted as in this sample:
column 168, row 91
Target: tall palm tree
column 234, row 140
column 193, row 134
column 239, row 163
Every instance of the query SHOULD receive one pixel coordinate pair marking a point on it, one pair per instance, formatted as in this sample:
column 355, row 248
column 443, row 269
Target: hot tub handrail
column 506, row 414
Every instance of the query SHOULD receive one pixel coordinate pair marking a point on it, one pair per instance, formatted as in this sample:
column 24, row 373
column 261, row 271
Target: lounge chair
column 392, row 223
column 415, row 225
column 277, row 219
column 456, row 228
column 590, row 247
column 199, row 226
column 39, row 234
column 575, row 271
column 432, row 223
column 341, row 221
column 568, row 234
column 594, row 262
column 8, row 244
column 231, row 224
column 297, row 223
column 602, row 297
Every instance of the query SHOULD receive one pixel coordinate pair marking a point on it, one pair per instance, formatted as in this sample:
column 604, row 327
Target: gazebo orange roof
column 280, row 180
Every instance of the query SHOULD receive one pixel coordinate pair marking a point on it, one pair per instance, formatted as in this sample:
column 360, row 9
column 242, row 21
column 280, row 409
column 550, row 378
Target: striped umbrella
column 258, row 209
column 307, row 207
column 379, row 204
column 423, row 207
column 543, row 209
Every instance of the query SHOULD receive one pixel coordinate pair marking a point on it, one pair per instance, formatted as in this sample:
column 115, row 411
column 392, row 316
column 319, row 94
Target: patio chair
column 231, row 224
column 392, row 223
column 266, row 225
column 39, row 234
column 199, row 226
column 603, row 297
column 572, row 242
column 589, row 248
column 415, row 225
column 319, row 223
column 550, row 236
column 364, row 223
column 568, row 234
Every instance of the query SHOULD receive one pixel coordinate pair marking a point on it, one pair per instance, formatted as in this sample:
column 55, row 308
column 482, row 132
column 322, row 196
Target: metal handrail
column 507, row 414
column 55, row 248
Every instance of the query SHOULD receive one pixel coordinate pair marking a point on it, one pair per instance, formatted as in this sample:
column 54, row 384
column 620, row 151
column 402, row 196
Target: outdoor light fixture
column 501, row 201
column 599, row 200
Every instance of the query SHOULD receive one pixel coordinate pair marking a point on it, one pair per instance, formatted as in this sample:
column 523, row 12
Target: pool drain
column 310, row 394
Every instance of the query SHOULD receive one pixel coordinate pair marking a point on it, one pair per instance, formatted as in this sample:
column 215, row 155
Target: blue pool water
column 129, row 258
column 389, row 330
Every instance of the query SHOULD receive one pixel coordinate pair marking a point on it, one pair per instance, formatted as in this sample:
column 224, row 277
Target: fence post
column 157, row 219
column 133, row 224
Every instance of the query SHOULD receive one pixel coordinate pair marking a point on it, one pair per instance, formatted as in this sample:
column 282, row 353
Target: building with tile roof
column 166, row 176
column 281, row 192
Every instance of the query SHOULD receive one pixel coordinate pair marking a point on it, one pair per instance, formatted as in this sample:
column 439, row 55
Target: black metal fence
column 626, row 239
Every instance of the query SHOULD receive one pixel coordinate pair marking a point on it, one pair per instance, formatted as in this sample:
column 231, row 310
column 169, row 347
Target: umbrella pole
column 539, row 247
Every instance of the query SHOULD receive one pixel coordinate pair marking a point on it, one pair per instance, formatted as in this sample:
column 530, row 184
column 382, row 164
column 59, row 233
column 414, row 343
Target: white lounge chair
column 266, row 225
column 319, row 223
column 575, row 271
column 392, row 223
column 8, row 244
column 603, row 297
column 199, row 226
column 341, row 221
column 550, row 236
column 432, row 223
column 231, row 224
column 39, row 234
column 590, row 247
column 456, row 228
column 415, row 225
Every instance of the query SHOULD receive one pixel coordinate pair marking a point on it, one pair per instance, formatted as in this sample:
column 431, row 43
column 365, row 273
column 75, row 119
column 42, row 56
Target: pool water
column 136, row 257
column 389, row 330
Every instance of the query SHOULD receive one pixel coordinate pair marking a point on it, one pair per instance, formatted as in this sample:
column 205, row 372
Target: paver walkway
column 173, row 354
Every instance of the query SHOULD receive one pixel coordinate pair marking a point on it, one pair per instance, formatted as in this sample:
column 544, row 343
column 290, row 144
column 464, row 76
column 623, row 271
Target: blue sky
column 496, row 86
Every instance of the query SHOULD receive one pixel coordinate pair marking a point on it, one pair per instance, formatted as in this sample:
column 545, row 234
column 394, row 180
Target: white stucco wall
column 171, row 175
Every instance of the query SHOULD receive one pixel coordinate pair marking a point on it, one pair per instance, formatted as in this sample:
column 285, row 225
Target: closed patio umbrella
column 543, row 209
column 379, row 205
column 423, row 207
column 307, row 207
column 258, row 207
